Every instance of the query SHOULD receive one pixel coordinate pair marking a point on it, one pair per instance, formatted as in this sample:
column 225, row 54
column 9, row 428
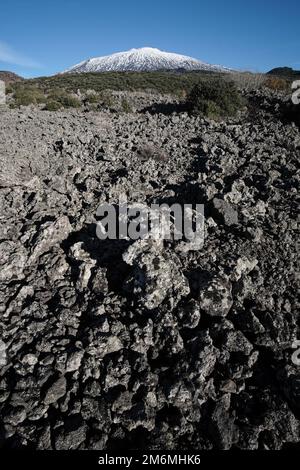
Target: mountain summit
column 145, row 59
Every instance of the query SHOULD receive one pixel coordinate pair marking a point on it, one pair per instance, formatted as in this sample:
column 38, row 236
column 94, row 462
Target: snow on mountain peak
column 143, row 59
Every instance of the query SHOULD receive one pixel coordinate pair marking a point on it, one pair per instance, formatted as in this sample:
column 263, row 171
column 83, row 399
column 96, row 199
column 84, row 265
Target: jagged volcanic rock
column 120, row 345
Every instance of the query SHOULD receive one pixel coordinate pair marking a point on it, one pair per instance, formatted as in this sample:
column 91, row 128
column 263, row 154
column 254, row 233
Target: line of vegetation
column 162, row 82
column 209, row 94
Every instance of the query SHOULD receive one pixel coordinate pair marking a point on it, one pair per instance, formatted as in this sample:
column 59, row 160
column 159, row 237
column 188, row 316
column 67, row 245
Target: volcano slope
column 140, row 345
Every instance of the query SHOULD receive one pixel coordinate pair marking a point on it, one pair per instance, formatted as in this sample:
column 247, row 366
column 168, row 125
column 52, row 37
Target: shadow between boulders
column 107, row 254
column 165, row 108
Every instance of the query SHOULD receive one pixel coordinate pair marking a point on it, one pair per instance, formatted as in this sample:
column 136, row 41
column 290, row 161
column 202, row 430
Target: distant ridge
column 9, row 77
column 285, row 72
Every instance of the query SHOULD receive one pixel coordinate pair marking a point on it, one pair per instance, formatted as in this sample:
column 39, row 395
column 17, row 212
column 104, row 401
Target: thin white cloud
column 9, row 56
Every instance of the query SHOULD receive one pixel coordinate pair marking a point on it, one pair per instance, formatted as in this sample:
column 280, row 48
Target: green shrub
column 24, row 99
column 69, row 101
column 214, row 98
column 126, row 108
column 27, row 96
column 102, row 99
column 107, row 99
column 93, row 98
column 65, row 99
column 52, row 105
column 8, row 89
column 56, row 94
column 211, row 109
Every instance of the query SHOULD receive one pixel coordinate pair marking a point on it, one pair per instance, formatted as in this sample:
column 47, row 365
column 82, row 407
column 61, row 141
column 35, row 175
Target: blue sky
column 44, row 37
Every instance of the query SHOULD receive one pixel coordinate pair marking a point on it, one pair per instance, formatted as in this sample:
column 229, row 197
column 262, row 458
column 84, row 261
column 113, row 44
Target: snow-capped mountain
column 143, row 59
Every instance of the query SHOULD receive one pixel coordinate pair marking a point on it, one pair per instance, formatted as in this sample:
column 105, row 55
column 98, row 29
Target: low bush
column 65, row 99
column 9, row 89
column 126, row 108
column 54, row 99
column 93, row 98
column 28, row 96
column 275, row 83
column 56, row 94
column 69, row 101
column 107, row 99
column 247, row 80
column 52, row 105
column 214, row 99
column 99, row 99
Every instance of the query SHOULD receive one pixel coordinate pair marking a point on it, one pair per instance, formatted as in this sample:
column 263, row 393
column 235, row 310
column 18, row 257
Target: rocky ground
column 144, row 345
